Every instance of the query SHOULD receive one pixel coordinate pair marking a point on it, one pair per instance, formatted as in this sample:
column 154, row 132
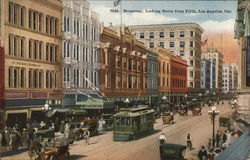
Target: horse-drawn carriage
column 196, row 111
column 45, row 147
column 92, row 125
column 168, row 118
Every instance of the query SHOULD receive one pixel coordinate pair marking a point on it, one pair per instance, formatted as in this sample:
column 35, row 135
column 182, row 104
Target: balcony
column 67, row 60
column 66, row 84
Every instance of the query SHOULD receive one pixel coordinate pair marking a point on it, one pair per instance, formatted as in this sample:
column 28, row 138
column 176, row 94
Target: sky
column 217, row 23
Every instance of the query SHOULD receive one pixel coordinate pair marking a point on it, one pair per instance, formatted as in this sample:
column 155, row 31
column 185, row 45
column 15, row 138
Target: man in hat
column 202, row 153
column 162, row 138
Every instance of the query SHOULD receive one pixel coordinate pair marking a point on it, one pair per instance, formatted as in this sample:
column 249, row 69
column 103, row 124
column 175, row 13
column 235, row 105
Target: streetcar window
column 117, row 121
column 128, row 122
column 123, row 122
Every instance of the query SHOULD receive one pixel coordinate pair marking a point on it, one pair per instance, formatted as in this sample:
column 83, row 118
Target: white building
column 80, row 50
column 183, row 39
column 230, row 77
column 216, row 57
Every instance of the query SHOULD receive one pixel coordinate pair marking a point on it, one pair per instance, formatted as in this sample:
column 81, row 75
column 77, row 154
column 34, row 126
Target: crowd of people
column 222, row 141
column 13, row 138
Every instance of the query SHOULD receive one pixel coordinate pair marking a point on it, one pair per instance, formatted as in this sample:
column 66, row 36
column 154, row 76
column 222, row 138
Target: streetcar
column 133, row 123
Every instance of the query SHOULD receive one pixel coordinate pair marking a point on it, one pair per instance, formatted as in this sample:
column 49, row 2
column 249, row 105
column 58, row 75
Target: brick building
column 178, row 78
column 164, row 70
column 123, row 72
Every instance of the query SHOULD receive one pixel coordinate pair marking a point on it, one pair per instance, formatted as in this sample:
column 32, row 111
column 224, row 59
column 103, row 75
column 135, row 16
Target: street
column 103, row 147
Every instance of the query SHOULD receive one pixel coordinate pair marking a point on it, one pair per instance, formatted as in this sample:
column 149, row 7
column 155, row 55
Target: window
column 182, row 34
column 191, row 53
column 191, row 43
column 191, row 33
column 171, row 44
column 124, row 62
column 151, row 35
column 191, row 74
column 182, row 44
column 51, row 52
column 162, row 44
column 142, row 35
column 161, row 35
column 52, row 25
column 16, row 14
column 171, row 34
column 151, row 44
column 192, row 84
column 191, row 63
column 118, row 61
column 181, row 53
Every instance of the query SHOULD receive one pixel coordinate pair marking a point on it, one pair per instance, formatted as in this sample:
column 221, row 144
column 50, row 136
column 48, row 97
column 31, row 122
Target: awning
column 239, row 150
column 96, row 104
column 77, row 111
column 53, row 111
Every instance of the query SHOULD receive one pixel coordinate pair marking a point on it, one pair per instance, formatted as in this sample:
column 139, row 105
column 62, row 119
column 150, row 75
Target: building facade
column 178, row 78
column 80, row 51
column 123, row 73
column 216, row 57
column 164, row 71
column 31, row 35
column 206, row 73
column 2, row 79
column 152, row 77
column 242, row 33
column 227, row 78
column 182, row 39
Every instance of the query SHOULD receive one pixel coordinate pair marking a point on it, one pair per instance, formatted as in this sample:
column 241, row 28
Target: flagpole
column 121, row 12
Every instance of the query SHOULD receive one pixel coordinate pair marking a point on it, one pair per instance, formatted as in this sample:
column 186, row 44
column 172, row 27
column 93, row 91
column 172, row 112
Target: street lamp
column 127, row 102
column 45, row 109
column 233, row 106
column 186, row 97
column 213, row 114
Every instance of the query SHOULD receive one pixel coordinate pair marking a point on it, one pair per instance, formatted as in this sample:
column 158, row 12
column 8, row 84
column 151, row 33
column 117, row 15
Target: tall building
column 178, row 78
column 227, row 78
column 235, row 68
column 80, row 51
column 152, row 77
column 214, row 56
column 206, row 75
column 123, row 75
column 182, row 39
column 31, row 37
column 242, row 33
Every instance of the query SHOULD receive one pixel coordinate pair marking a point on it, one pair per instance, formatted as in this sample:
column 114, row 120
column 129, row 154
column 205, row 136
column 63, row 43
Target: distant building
column 123, row 73
column 216, row 57
column 227, row 78
column 80, row 51
column 152, row 77
column 2, row 80
column 182, row 39
column 206, row 73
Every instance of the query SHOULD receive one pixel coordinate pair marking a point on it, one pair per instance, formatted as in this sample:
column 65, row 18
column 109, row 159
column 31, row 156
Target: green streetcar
column 133, row 123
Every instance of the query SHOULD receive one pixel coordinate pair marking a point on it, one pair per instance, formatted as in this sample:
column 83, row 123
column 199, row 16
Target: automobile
column 168, row 118
column 196, row 111
column 45, row 146
column 76, row 130
column 172, row 151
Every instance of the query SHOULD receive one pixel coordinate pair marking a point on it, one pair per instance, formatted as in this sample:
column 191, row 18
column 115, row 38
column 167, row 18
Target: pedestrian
column 228, row 134
column 217, row 138
column 13, row 141
column 62, row 127
column 162, row 138
column 209, row 143
column 210, row 155
column 189, row 141
column 224, row 137
column 86, row 136
column 1, row 137
column 202, row 155
column 7, row 136
column 25, row 138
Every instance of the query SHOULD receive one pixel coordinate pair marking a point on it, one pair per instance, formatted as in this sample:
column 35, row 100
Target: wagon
column 182, row 111
column 196, row 112
column 168, row 118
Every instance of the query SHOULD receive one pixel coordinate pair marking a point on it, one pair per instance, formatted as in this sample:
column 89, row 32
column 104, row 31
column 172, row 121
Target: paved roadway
column 102, row 147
